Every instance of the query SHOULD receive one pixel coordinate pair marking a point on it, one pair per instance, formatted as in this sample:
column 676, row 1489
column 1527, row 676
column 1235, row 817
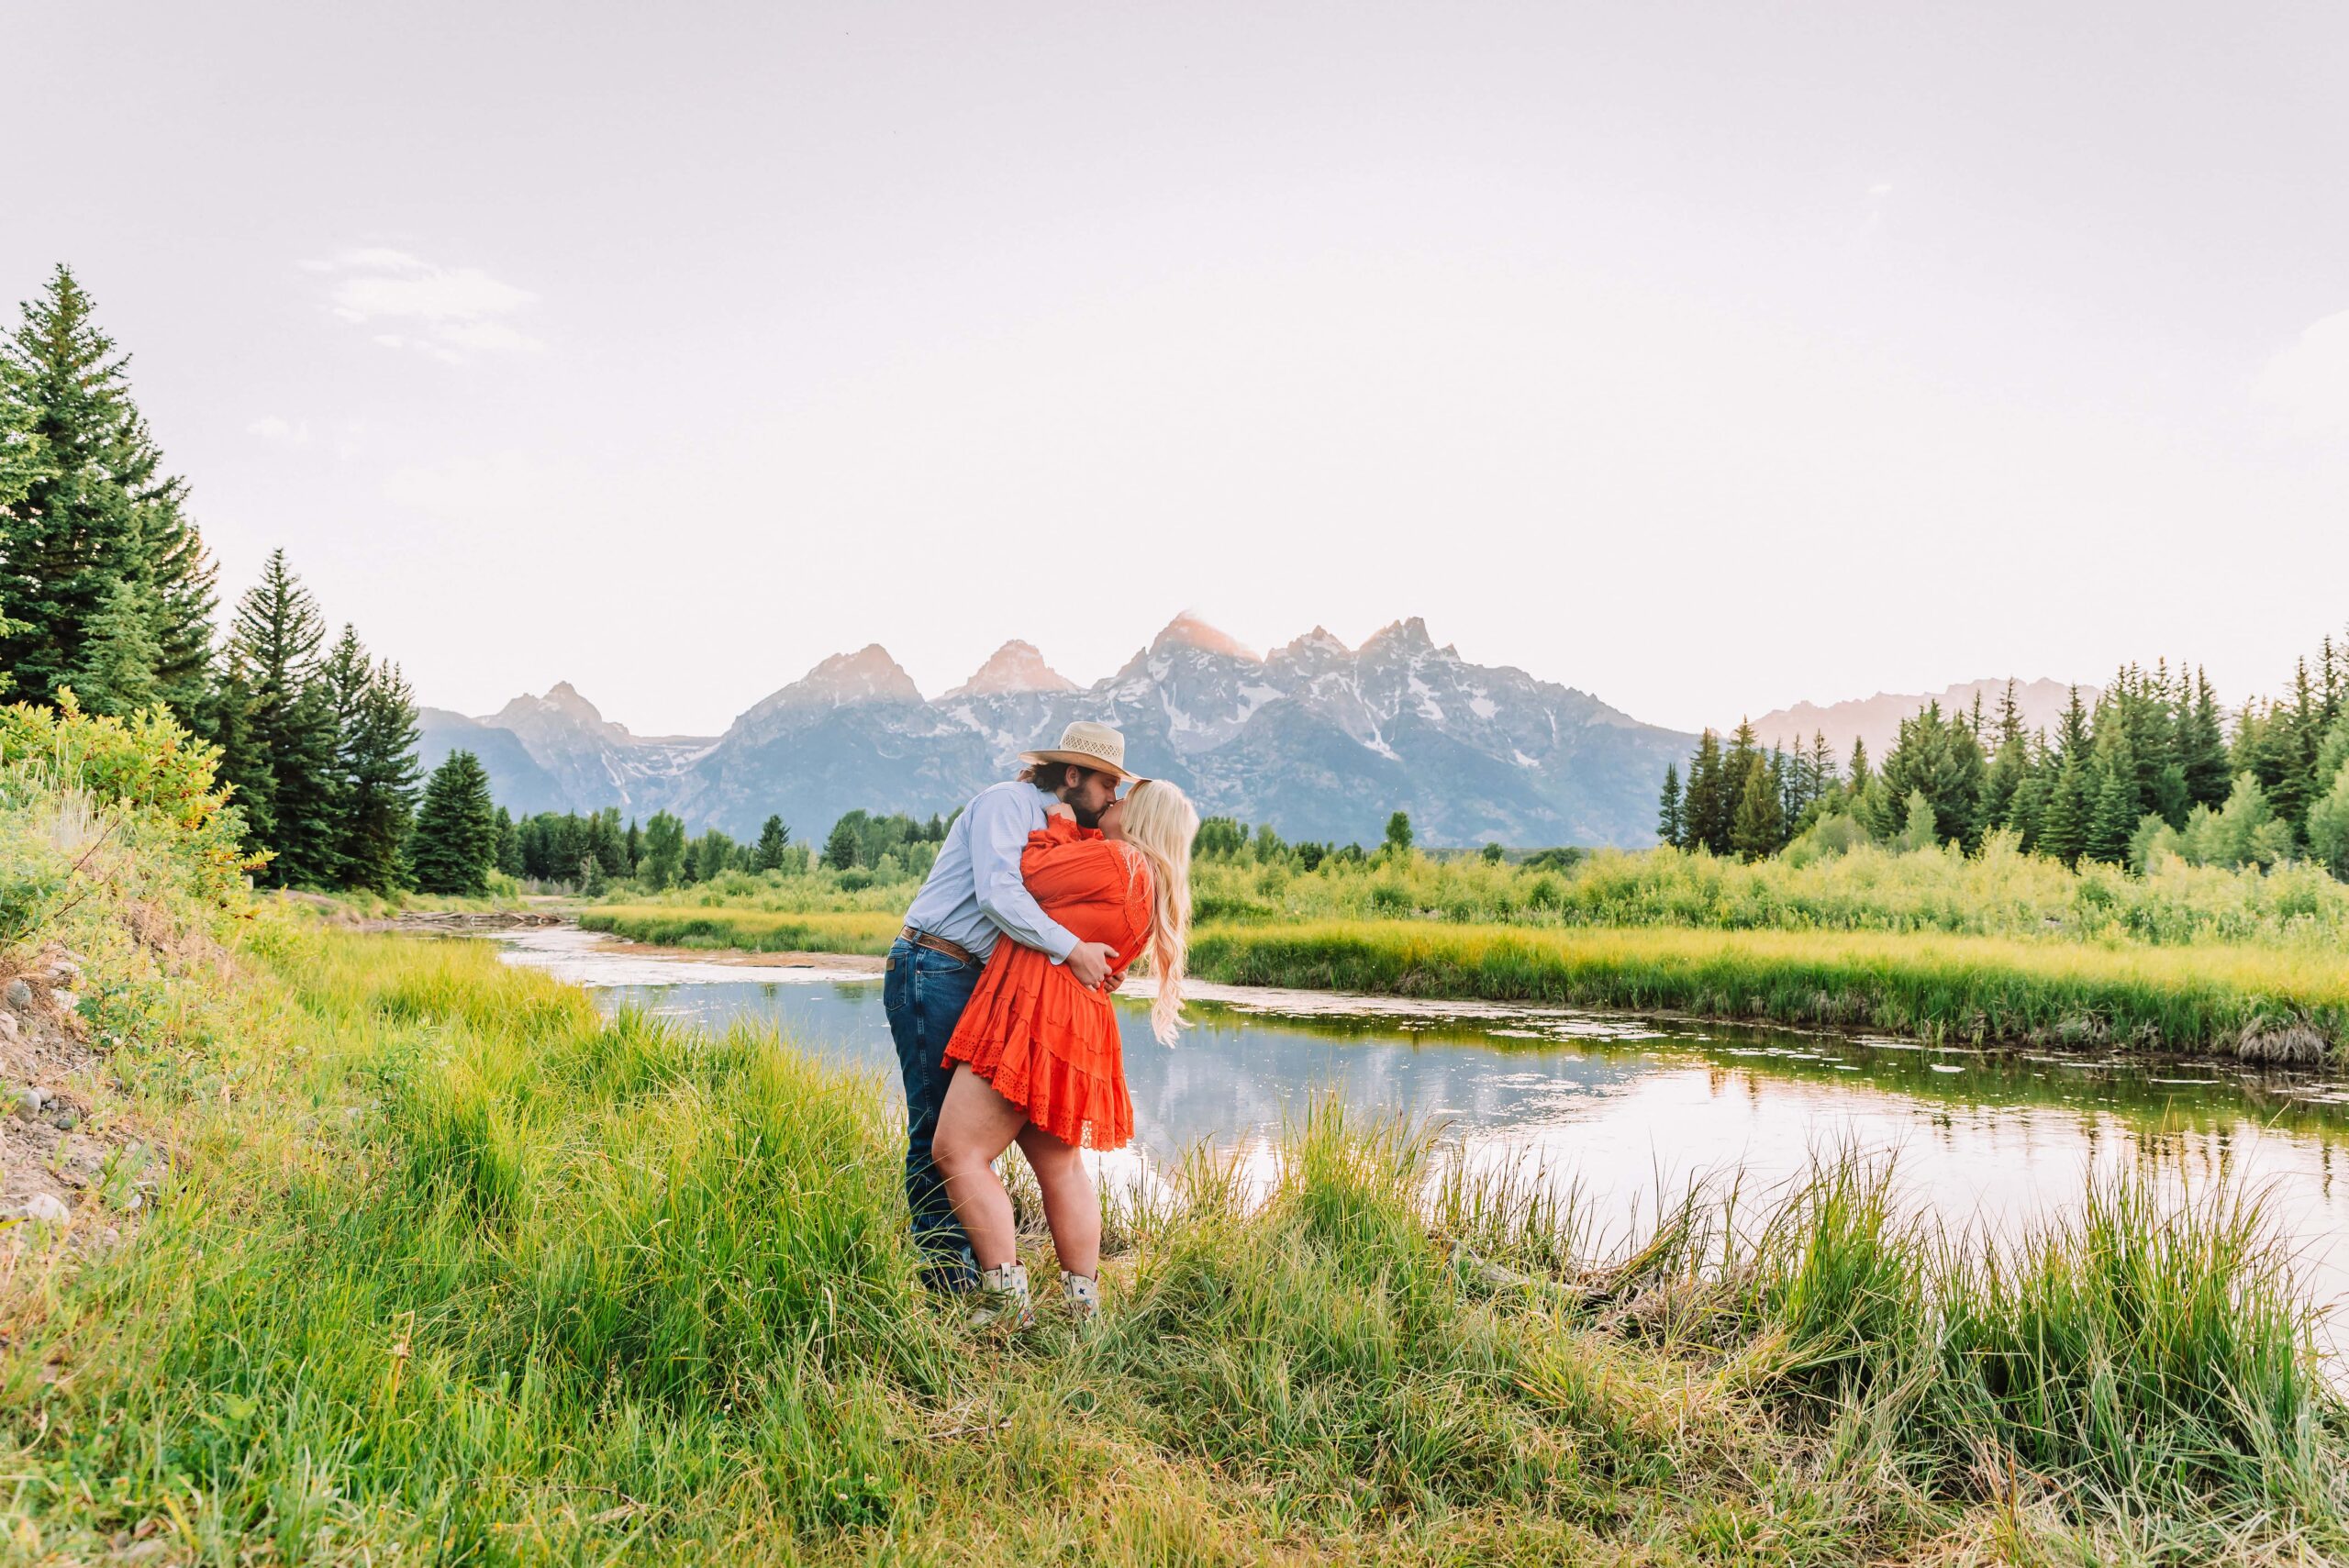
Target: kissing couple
column 997, row 991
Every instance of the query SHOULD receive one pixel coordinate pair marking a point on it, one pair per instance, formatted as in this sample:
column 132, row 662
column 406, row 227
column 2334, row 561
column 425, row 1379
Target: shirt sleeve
column 998, row 836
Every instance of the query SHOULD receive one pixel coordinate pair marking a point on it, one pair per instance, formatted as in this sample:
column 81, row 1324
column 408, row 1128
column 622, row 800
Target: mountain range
column 1319, row 740
column 1876, row 719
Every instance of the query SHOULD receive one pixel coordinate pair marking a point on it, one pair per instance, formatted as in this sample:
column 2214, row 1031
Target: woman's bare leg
column 974, row 1126
column 1071, row 1207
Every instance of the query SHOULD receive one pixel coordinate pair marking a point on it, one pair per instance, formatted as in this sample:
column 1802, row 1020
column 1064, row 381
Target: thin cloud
column 408, row 302
column 270, row 427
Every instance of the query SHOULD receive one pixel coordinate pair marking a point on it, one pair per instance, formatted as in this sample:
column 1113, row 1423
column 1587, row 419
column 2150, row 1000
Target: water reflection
column 1629, row 1107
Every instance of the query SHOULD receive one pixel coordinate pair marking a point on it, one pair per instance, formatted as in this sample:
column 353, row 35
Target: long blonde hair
column 1161, row 822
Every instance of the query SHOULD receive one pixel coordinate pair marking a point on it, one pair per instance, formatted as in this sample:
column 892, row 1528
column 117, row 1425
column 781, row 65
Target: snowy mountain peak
column 1187, row 630
column 1408, row 638
column 562, row 707
column 1320, row 641
column 1014, row 667
column 869, row 674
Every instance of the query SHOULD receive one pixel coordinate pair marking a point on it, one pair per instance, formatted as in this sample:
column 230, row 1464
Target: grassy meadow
column 446, row 1266
column 452, row 1269
column 1994, row 947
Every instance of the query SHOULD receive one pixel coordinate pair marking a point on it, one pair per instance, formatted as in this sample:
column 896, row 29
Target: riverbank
column 460, row 1265
column 443, row 1265
column 2282, row 1004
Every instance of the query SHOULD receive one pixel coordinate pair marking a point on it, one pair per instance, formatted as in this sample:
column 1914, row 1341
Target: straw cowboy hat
column 1088, row 745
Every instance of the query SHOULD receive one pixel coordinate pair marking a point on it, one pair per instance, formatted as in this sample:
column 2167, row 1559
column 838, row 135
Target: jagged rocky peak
column 1320, row 639
column 869, row 674
column 563, row 706
column 1405, row 637
column 1015, row 667
column 1187, row 630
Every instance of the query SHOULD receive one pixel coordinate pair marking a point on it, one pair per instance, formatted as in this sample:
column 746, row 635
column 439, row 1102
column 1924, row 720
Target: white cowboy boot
column 1083, row 1297
column 1003, row 1300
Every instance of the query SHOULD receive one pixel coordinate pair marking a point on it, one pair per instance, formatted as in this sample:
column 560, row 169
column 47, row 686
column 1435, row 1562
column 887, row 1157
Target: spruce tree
column 292, row 724
column 85, row 506
column 840, row 849
column 2114, row 810
column 456, row 830
column 120, row 654
column 509, row 845
column 2202, row 747
column 2063, row 827
column 1705, row 803
column 1667, row 815
column 226, row 722
column 773, row 838
column 375, row 767
column 1757, row 832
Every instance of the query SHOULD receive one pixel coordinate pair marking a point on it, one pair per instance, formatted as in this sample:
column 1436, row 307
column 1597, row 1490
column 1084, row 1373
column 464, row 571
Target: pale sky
column 1707, row 358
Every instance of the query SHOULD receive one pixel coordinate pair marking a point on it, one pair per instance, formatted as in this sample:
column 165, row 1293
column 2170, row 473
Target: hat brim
column 1078, row 759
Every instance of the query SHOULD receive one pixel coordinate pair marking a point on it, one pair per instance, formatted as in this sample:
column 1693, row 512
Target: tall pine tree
column 1667, row 813
column 291, row 732
column 86, row 507
column 376, row 766
column 456, row 830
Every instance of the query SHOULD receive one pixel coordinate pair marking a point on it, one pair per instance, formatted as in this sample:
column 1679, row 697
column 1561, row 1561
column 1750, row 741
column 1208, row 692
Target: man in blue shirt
column 974, row 898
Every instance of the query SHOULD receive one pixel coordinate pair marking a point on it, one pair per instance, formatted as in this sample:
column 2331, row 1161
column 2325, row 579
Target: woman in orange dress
column 1037, row 1055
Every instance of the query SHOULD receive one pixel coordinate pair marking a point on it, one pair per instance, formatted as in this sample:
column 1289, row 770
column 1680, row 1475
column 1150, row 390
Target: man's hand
column 1089, row 961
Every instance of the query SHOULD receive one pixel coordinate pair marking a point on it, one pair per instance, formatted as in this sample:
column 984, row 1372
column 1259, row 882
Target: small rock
column 65, row 973
column 19, row 995
column 46, row 1209
column 65, row 1118
column 66, row 1001
column 7, row 1026
column 31, row 1103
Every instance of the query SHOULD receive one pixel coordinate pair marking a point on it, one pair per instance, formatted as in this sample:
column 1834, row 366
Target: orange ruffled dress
column 1043, row 1040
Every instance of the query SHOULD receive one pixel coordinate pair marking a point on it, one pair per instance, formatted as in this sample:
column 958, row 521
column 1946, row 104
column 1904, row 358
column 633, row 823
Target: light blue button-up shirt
column 974, row 893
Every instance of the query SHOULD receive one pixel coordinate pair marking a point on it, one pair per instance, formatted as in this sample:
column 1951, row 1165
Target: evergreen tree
column 374, row 786
column 2202, row 748
column 2028, row 809
column 1943, row 760
column 1667, row 817
column 633, row 849
column 1758, row 830
column 2114, row 810
column 773, row 838
column 226, row 722
column 2064, row 827
column 292, row 724
column 120, row 654
column 1737, row 767
column 840, row 849
column 509, row 845
column 86, row 506
column 1705, row 805
column 456, row 832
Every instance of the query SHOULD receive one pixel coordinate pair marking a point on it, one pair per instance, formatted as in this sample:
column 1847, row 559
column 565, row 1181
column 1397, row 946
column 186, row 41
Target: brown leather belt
column 938, row 944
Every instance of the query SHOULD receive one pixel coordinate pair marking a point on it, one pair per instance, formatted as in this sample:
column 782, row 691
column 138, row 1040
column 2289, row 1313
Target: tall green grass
column 749, row 930
column 455, row 1269
column 2268, row 1002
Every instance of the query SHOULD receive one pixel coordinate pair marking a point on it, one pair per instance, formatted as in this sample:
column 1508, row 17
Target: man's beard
column 1084, row 817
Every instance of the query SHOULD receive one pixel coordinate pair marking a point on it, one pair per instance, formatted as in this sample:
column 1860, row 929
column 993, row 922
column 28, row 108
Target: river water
column 1627, row 1108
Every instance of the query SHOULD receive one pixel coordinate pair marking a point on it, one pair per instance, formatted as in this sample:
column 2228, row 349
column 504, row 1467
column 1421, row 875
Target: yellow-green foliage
column 1998, row 892
column 146, row 764
column 752, row 930
column 1980, row 989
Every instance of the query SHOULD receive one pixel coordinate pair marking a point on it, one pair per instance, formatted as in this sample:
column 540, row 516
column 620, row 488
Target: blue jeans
column 924, row 994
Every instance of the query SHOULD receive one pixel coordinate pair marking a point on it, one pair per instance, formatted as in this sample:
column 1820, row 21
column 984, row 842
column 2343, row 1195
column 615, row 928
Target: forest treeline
column 110, row 602
column 2155, row 767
